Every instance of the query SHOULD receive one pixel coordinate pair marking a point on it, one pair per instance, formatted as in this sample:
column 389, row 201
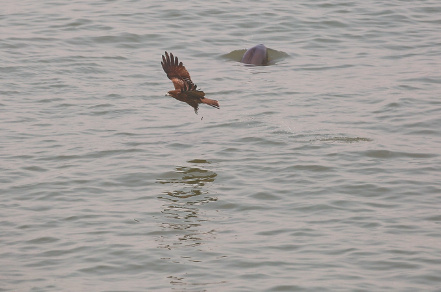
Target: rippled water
column 320, row 172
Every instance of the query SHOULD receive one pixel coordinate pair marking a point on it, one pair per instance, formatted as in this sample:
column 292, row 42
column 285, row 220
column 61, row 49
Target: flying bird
column 185, row 89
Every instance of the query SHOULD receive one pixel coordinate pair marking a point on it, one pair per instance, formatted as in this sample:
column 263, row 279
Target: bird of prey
column 185, row 89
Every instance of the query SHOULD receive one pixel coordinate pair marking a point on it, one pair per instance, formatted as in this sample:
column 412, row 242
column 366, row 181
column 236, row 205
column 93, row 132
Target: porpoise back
column 256, row 55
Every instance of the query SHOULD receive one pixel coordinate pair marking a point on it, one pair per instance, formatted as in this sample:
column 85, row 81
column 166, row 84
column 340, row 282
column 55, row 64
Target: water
column 318, row 173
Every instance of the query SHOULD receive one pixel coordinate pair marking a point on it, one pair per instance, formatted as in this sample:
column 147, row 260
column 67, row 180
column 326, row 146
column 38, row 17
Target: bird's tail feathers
column 210, row 102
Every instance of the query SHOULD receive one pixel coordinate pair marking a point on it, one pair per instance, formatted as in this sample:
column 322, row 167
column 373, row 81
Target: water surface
column 318, row 173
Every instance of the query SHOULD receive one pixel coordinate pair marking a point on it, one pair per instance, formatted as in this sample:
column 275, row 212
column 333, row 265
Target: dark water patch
column 43, row 40
column 43, row 240
column 114, row 96
column 78, row 22
column 130, row 180
column 122, row 40
column 8, row 93
column 100, row 269
column 345, row 139
column 387, row 154
column 319, row 42
column 110, row 113
column 93, row 154
column 83, row 217
column 265, row 196
column 305, row 167
column 364, row 189
column 399, row 56
column 35, row 169
column 422, row 80
column 314, row 67
column 389, row 265
column 130, row 134
column 180, row 146
column 286, row 288
column 259, row 141
column 436, row 218
column 103, row 105
column 49, row 100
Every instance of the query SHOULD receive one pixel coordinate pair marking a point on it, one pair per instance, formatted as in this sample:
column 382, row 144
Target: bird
column 185, row 89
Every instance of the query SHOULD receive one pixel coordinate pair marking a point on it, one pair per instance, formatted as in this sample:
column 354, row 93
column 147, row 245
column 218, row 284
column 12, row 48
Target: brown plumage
column 185, row 89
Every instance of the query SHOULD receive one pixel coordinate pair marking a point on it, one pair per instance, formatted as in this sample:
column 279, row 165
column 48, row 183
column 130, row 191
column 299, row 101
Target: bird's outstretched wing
column 191, row 91
column 176, row 72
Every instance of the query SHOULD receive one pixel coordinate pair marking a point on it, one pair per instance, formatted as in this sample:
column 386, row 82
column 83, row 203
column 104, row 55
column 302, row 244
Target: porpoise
column 256, row 55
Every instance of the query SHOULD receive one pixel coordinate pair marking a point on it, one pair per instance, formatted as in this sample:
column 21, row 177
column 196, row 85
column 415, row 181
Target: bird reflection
column 188, row 189
column 186, row 235
column 191, row 181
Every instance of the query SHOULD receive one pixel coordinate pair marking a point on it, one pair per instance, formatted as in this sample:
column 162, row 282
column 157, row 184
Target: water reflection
column 188, row 190
column 188, row 181
column 185, row 228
